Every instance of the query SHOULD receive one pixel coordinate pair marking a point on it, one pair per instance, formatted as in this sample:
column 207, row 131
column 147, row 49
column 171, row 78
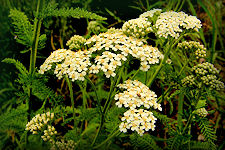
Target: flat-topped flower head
column 172, row 24
column 76, row 42
column 198, row 49
column 138, row 120
column 136, row 94
column 138, row 28
column 206, row 74
column 67, row 62
column 111, row 49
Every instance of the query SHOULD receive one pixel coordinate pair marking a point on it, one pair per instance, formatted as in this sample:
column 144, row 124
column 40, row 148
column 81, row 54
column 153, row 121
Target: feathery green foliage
column 24, row 30
column 143, row 142
column 51, row 10
column 208, row 132
column 23, row 27
column 18, row 65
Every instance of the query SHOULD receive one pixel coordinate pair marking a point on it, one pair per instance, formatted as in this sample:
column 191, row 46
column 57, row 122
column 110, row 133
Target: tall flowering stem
column 107, row 103
column 69, row 83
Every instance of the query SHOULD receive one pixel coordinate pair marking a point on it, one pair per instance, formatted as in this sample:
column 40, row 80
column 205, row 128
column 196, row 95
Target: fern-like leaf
column 23, row 27
column 18, row 65
column 51, row 10
column 199, row 145
column 145, row 142
column 208, row 132
column 8, row 121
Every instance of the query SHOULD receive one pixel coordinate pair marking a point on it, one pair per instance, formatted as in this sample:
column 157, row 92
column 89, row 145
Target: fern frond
column 112, row 118
column 208, row 132
column 199, row 145
column 144, row 142
column 18, row 65
column 178, row 141
column 8, row 121
column 51, row 10
column 41, row 41
column 23, row 27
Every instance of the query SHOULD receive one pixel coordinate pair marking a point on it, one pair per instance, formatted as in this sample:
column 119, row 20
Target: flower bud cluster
column 138, row 28
column 49, row 134
column 212, row 82
column 137, row 94
column 114, row 30
column 95, row 27
column 199, row 50
column 63, row 145
column 76, row 42
column 204, row 73
column 149, row 14
column 73, row 64
column 38, row 122
column 173, row 23
column 204, row 69
column 189, row 80
column 201, row 112
column 113, row 49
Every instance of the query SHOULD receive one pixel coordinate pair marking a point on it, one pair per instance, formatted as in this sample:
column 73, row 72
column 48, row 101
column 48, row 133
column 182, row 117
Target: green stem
column 183, row 67
column 159, row 67
column 135, row 74
column 96, row 94
column 180, row 111
column 109, row 138
column 107, row 104
column 69, row 83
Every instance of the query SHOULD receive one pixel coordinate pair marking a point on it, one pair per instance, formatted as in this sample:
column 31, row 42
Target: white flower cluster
column 196, row 47
column 173, row 23
column 138, row 28
column 38, row 122
column 136, row 95
column 63, row 145
column 76, row 42
column 204, row 73
column 115, row 47
column 49, row 134
column 73, row 64
column 107, row 62
column 201, row 112
column 139, row 120
column 149, row 14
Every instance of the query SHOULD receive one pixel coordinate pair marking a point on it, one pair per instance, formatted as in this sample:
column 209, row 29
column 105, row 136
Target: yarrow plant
column 108, row 76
